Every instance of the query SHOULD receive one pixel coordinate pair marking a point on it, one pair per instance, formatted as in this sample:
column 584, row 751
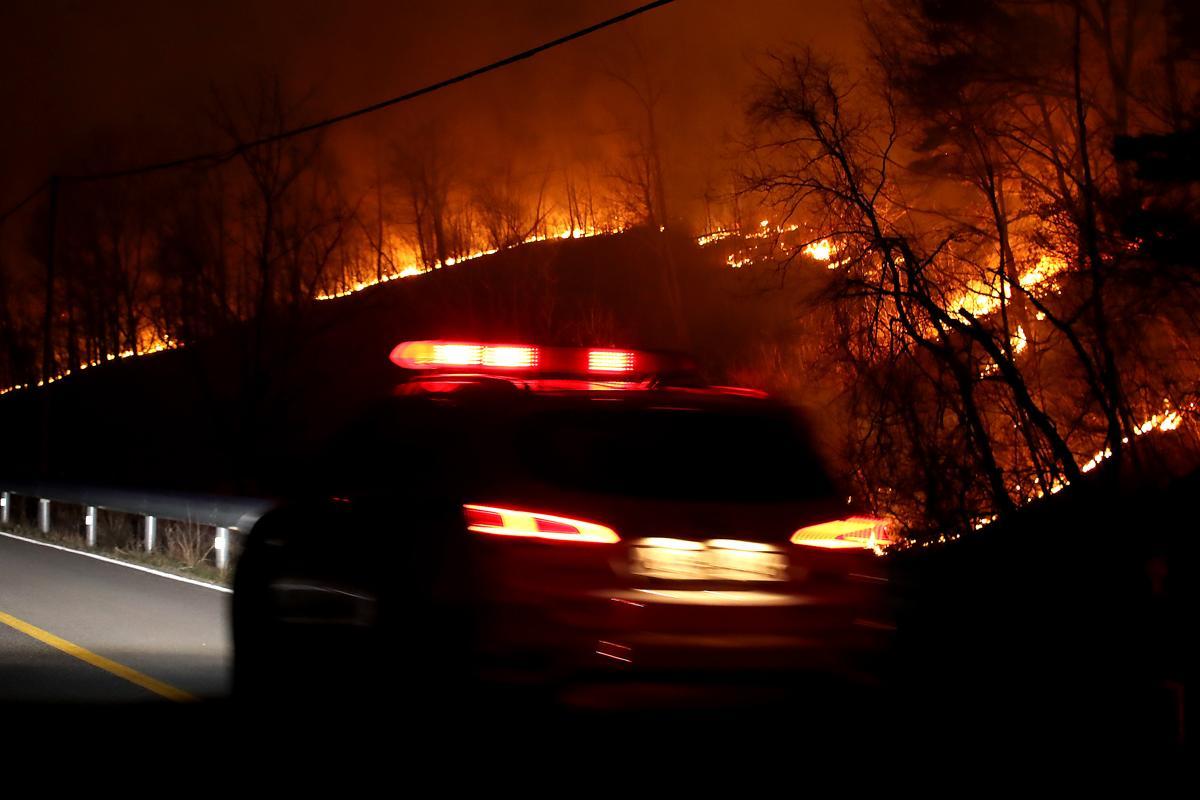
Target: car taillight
column 532, row 524
column 865, row 533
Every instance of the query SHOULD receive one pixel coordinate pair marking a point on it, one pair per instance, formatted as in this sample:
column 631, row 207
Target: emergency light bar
column 612, row 364
column 439, row 355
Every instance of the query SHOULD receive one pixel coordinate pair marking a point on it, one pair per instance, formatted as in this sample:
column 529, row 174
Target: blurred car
column 523, row 513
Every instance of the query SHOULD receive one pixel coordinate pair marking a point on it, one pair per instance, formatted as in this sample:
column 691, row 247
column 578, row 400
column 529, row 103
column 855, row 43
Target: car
column 517, row 514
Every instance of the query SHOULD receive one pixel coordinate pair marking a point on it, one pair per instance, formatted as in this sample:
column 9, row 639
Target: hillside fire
column 695, row 332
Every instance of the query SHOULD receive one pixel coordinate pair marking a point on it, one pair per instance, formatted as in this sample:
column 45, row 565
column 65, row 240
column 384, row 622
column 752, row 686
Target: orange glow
column 149, row 342
column 982, row 298
column 819, row 251
column 610, row 361
column 865, row 533
column 1019, row 340
column 535, row 525
column 715, row 236
column 413, row 266
column 770, row 238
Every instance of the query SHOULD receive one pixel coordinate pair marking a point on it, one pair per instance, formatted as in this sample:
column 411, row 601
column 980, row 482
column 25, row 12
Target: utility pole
column 47, row 332
column 48, row 321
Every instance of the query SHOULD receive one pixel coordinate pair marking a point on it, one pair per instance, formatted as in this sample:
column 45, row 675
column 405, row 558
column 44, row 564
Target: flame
column 981, row 299
column 764, row 230
column 1047, row 267
column 819, row 251
column 150, row 341
column 1167, row 420
column 715, row 236
column 1018, row 340
column 415, row 268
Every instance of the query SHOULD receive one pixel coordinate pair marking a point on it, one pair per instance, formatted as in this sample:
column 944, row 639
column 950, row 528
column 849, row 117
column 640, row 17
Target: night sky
column 98, row 85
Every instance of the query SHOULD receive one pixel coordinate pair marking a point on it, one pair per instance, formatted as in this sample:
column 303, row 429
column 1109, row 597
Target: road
column 75, row 629
column 88, row 645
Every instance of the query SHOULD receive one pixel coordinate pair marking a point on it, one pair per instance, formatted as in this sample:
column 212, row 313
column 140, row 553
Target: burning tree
column 999, row 330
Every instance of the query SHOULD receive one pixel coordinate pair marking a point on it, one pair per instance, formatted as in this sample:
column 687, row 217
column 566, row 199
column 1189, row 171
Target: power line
column 220, row 156
column 21, row 204
column 224, row 155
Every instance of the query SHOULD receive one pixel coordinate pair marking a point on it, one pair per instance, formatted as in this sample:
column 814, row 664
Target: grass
column 160, row 559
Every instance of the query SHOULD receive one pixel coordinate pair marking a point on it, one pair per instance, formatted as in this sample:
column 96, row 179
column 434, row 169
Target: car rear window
column 674, row 453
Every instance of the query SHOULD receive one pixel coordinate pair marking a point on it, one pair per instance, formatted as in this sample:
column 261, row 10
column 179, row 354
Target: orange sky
column 93, row 86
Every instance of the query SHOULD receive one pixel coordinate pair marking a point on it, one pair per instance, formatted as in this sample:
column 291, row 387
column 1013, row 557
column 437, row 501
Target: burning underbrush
column 758, row 309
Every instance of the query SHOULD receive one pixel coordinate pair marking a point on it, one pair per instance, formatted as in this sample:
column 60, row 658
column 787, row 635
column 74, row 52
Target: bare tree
column 832, row 159
column 503, row 208
column 642, row 171
column 426, row 173
column 641, row 174
column 273, row 169
column 981, row 221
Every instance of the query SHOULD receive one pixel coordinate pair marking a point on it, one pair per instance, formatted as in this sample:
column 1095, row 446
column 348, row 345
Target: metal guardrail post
column 151, row 532
column 89, row 525
column 221, row 545
column 226, row 514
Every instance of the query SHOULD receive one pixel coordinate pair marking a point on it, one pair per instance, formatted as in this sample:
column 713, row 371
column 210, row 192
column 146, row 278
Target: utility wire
column 220, row 156
column 224, row 155
column 14, row 209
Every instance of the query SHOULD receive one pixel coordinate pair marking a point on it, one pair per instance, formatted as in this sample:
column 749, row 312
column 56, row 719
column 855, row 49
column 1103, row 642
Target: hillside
column 201, row 417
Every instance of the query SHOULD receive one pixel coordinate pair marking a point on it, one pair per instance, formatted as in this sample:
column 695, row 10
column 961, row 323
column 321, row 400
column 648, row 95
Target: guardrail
column 228, row 515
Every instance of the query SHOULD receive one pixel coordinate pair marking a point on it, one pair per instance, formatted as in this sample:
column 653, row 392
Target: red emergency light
column 524, row 359
column 440, row 355
column 611, row 361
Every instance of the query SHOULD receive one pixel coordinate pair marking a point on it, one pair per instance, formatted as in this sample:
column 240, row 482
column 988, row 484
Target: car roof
column 484, row 391
column 433, row 423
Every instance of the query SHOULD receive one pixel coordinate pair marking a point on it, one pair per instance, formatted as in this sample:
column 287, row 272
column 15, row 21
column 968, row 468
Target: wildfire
column 819, row 251
column 981, row 299
column 1047, row 267
column 1019, row 341
column 1167, row 420
column 715, row 236
column 765, row 230
column 414, row 268
column 149, row 342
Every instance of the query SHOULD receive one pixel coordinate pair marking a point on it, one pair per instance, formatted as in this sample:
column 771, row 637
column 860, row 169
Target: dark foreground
column 1064, row 637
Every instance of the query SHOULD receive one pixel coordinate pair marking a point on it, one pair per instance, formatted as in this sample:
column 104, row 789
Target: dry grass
column 183, row 548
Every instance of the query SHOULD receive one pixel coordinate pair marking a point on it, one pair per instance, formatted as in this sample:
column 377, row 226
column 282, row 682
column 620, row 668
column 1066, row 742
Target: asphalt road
column 77, row 630
column 96, row 647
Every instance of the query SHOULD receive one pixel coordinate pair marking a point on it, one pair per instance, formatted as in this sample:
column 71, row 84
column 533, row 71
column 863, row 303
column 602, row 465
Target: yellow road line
column 107, row 664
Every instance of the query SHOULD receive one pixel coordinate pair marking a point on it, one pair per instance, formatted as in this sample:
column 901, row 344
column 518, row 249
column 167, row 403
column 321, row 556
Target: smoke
column 94, row 86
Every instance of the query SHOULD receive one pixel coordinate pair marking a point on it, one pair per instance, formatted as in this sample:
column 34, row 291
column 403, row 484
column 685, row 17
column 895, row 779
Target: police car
column 517, row 512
